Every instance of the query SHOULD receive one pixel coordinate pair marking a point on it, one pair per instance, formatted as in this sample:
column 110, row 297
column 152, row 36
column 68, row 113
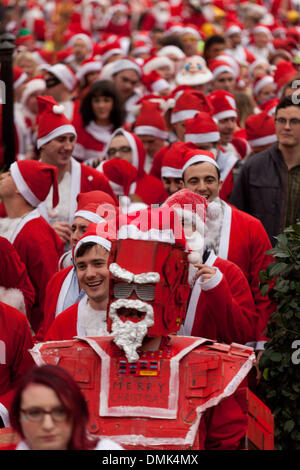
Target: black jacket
column 261, row 190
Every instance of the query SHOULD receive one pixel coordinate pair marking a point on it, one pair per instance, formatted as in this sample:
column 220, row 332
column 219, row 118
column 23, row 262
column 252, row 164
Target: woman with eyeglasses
column 49, row 412
column 128, row 146
column 100, row 113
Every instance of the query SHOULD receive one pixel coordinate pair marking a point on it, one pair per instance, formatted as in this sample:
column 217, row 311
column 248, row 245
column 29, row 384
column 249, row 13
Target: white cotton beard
column 61, row 211
column 94, row 321
column 213, row 224
column 192, row 274
column 129, row 335
column 8, row 226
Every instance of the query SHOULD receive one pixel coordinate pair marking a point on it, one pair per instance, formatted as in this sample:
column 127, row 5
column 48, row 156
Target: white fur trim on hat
column 170, row 172
column 22, row 186
column 268, row 139
column 160, row 85
column 158, row 62
column 198, row 159
column 174, row 50
column 202, row 137
column 31, row 87
column 88, row 215
column 225, row 114
column 222, row 69
column 110, row 53
column 95, row 239
column 22, row 78
column 150, row 130
column 267, row 80
column 65, row 75
column 125, row 64
column 183, row 115
column 66, row 129
column 13, row 297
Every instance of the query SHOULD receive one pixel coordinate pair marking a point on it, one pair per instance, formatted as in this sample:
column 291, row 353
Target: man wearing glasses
column 268, row 186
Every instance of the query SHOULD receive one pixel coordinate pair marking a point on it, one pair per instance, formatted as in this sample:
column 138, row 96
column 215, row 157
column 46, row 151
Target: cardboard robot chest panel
column 162, row 409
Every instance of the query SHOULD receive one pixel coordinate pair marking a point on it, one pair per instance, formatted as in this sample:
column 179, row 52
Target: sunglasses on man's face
column 51, row 82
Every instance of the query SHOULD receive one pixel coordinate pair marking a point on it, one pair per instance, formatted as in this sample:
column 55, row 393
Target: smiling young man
column 56, row 141
column 88, row 316
column 269, row 183
column 231, row 233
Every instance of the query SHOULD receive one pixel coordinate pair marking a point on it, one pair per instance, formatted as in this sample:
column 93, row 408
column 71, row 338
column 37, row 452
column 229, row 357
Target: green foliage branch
column 280, row 362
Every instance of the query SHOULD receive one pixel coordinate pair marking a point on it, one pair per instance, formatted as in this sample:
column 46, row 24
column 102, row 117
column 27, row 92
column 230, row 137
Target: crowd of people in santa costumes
column 123, row 107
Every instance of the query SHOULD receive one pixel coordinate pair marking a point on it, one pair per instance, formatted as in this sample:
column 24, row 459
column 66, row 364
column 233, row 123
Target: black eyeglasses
column 143, row 291
column 112, row 151
column 292, row 122
column 37, row 415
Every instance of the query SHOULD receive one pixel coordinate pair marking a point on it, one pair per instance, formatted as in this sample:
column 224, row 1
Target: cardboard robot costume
column 154, row 395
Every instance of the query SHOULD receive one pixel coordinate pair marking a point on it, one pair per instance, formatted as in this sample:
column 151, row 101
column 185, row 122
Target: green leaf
column 277, row 268
column 276, row 357
column 289, row 425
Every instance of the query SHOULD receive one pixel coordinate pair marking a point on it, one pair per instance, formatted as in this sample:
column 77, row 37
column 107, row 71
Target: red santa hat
column 262, row 28
column 34, row 179
column 84, row 37
column 217, row 67
column 121, row 174
column 43, row 56
column 270, row 106
column 261, row 82
column 283, row 73
column 65, row 74
column 256, row 63
column 160, row 224
column 197, row 156
column 223, row 103
column 191, row 208
column 233, row 28
column 51, row 121
column 189, row 103
column 150, row 121
column 172, row 160
column 140, row 47
column 260, row 129
column 201, row 129
column 19, row 76
column 125, row 64
column 90, row 205
column 110, row 49
column 154, row 63
column 231, row 62
column 95, row 233
column 88, row 66
column 154, row 82
column 32, row 86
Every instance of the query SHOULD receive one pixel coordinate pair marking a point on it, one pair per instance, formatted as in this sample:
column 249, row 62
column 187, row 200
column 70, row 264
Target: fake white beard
column 192, row 274
column 8, row 226
column 129, row 335
column 213, row 224
column 94, row 321
column 195, row 243
column 61, row 211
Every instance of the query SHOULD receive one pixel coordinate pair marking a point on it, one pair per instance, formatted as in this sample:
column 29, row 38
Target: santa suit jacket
column 15, row 360
column 39, row 248
column 244, row 241
column 222, row 308
column 56, row 291
column 83, row 179
column 91, row 140
column 16, row 288
column 69, row 323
